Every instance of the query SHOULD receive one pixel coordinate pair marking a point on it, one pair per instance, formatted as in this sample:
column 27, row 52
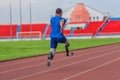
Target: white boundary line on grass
column 97, row 67
column 65, row 65
column 53, row 61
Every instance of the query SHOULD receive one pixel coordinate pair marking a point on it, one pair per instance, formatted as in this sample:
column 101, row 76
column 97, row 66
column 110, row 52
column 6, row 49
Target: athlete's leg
column 53, row 46
column 52, row 52
column 65, row 41
column 51, row 55
column 67, row 49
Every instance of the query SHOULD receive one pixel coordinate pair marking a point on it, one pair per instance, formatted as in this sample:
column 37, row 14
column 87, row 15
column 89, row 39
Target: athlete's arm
column 62, row 22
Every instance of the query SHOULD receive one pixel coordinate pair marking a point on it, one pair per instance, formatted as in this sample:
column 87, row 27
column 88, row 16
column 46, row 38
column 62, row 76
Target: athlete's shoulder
column 52, row 19
column 63, row 19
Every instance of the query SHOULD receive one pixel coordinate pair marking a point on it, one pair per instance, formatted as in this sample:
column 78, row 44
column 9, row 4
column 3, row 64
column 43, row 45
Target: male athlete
column 57, row 36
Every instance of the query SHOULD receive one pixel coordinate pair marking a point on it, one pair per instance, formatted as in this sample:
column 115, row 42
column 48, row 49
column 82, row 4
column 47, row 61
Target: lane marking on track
column 66, row 65
column 97, row 67
column 87, row 53
column 19, row 62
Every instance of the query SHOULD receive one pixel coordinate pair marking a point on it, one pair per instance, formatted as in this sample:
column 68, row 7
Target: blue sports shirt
column 55, row 27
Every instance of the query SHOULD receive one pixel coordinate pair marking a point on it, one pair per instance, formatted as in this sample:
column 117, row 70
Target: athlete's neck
column 59, row 15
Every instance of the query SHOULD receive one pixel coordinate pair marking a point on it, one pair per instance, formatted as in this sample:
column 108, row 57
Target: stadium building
column 78, row 15
column 83, row 21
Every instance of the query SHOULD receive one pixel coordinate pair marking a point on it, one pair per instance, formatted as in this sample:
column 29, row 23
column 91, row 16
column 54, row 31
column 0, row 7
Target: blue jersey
column 55, row 27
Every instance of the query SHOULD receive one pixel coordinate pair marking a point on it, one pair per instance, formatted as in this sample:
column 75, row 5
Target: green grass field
column 20, row 49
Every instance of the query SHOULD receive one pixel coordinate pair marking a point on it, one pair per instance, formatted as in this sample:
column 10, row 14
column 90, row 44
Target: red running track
column 99, row 63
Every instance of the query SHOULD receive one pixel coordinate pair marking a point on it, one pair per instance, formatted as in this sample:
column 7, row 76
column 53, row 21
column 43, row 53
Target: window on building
column 90, row 18
column 78, row 17
column 94, row 18
column 97, row 18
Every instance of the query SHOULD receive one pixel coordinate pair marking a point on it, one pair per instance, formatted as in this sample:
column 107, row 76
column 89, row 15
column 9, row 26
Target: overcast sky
column 42, row 9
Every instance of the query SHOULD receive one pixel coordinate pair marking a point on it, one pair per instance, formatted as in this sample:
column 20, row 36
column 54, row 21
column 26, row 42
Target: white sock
column 53, row 51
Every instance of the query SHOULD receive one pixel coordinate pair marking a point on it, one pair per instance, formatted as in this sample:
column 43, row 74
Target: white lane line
column 97, row 67
column 65, row 65
column 87, row 53
column 19, row 62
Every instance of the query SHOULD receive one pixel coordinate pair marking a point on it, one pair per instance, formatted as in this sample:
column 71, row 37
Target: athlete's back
column 55, row 27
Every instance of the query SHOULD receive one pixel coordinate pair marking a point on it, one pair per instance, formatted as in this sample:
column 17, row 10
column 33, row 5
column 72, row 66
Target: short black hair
column 58, row 10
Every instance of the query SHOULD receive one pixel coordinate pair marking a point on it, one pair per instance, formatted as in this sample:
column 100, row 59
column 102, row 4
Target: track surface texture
column 98, row 63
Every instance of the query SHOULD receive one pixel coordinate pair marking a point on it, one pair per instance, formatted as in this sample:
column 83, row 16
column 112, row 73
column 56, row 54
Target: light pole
column 30, row 19
column 10, row 21
column 20, row 16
